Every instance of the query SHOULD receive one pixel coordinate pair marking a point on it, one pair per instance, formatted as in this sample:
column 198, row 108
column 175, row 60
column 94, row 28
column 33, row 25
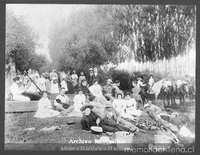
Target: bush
column 126, row 78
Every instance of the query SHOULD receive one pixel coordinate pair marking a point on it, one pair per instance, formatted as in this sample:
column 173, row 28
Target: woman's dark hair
column 95, row 80
column 44, row 92
column 119, row 94
column 128, row 93
column 16, row 78
column 117, row 81
column 62, row 88
column 83, row 80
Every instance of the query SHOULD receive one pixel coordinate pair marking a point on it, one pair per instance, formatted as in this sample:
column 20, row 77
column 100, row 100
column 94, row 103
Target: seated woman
column 17, row 92
column 45, row 108
column 131, row 106
column 120, row 105
column 79, row 100
column 96, row 90
column 90, row 118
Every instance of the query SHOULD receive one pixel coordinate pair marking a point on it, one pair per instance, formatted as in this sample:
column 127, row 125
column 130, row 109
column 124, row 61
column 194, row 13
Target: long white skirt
column 44, row 113
column 54, row 88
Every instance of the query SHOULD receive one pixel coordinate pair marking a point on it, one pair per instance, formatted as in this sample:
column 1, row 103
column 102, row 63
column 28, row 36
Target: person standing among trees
column 90, row 77
column 97, row 75
column 54, row 82
column 41, row 82
column 74, row 77
column 47, row 83
column 81, row 77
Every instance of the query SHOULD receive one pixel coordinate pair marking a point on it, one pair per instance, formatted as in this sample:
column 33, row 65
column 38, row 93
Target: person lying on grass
column 45, row 108
column 111, row 114
column 90, row 119
column 62, row 103
column 155, row 113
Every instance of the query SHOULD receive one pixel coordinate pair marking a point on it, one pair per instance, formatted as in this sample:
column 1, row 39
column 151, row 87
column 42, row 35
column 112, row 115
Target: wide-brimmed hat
column 86, row 106
column 108, row 104
column 146, row 105
column 109, row 80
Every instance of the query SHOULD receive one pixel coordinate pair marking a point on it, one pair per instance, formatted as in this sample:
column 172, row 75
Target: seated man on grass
column 62, row 104
column 155, row 113
column 90, row 119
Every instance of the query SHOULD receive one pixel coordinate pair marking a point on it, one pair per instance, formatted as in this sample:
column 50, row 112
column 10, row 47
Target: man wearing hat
column 112, row 115
column 90, row 77
column 96, row 75
column 90, row 119
column 155, row 112
column 62, row 103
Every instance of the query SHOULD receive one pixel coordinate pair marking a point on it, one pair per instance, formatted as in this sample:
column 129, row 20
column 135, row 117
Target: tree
column 21, row 42
column 85, row 40
column 95, row 35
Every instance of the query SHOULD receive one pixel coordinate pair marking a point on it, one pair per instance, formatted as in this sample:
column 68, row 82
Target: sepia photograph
column 100, row 77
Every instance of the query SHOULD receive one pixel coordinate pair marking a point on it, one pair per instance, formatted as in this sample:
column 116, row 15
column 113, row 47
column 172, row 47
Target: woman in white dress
column 54, row 82
column 16, row 91
column 45, row 108
column 131, row 106
column 79, row 100
column 120, row 105
column 41, row 82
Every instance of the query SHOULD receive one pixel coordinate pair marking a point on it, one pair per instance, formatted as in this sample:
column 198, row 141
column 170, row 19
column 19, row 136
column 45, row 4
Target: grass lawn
column 38, row 140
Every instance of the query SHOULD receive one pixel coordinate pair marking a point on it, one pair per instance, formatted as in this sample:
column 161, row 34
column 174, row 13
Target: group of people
column 107, row 107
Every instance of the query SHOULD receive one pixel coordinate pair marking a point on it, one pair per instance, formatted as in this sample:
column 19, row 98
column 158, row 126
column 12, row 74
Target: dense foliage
column 95, row 35
column 21, row 42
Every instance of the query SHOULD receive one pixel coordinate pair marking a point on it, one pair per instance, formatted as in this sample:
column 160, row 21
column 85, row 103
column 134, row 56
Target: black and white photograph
column 100, row 77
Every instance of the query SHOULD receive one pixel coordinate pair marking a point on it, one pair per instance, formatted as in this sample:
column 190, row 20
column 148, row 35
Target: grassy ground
column 16, row 122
